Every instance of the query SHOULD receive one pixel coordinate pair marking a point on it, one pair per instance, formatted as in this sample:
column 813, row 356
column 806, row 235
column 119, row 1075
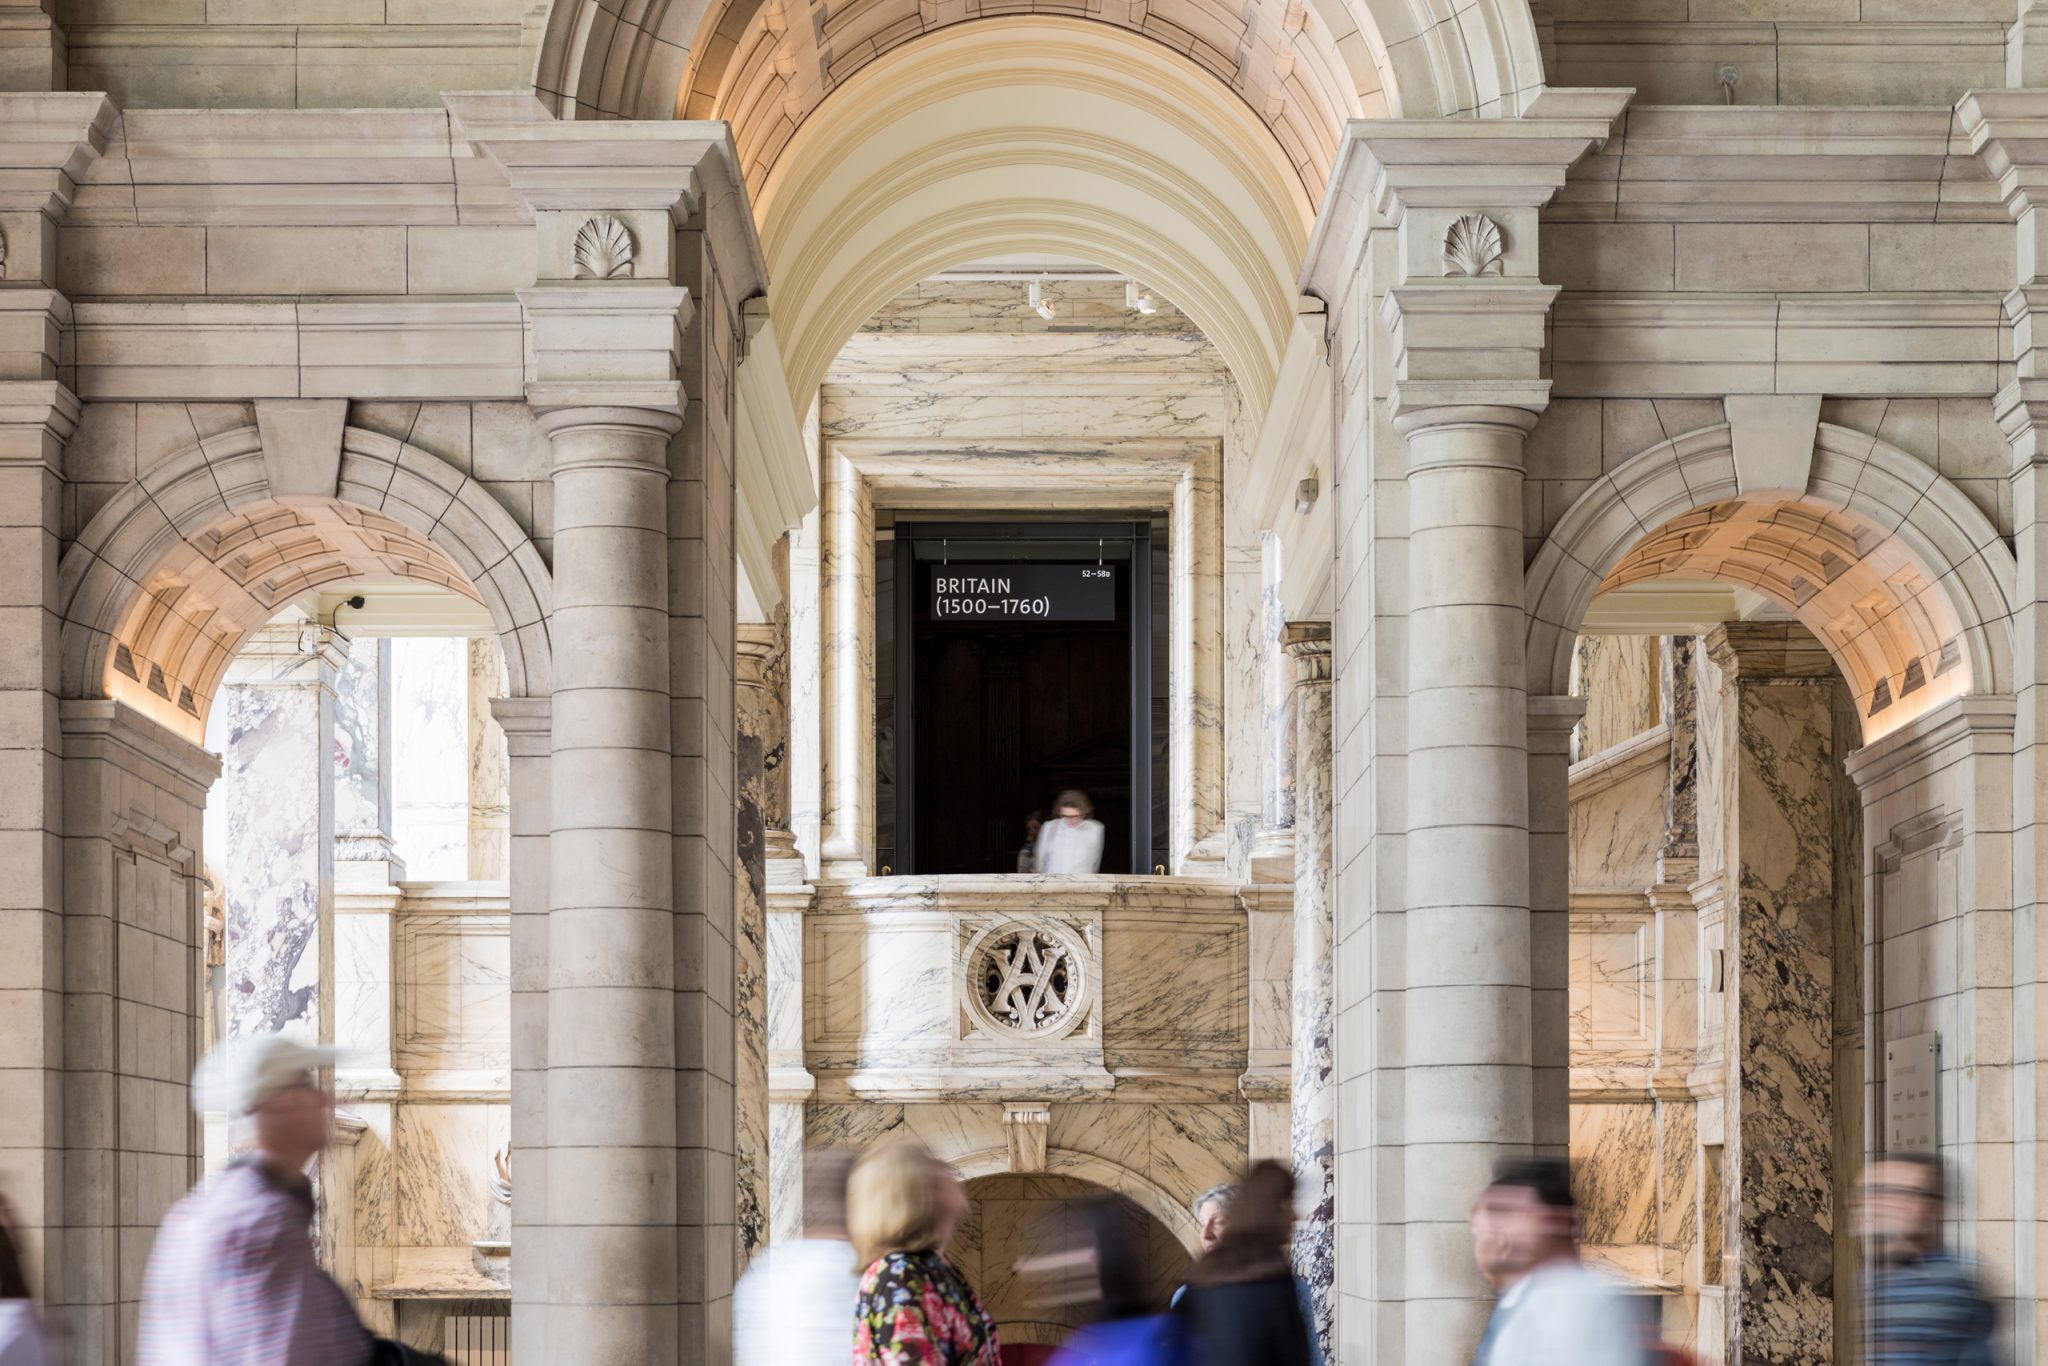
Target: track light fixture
column 1143, row 303
column 1041, row 305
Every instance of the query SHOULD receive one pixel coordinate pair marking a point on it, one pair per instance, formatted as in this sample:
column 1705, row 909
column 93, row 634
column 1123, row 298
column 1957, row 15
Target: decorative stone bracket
column 1025, row 1128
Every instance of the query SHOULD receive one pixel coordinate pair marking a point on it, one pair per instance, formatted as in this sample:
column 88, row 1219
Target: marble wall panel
column 1615, row 1172
column 430, row 725
column 1612, row 976
column 1192, row 1014
column 443, row 1162
column 453, row 991
column 1617, row 832
column 490, row 766
column 1619, row 678
column 871, row 981
column 856, row 1125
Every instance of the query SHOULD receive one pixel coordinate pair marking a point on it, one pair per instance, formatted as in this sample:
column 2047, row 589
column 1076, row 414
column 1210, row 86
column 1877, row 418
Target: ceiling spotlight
column 1041, row 305
column 1144, row 303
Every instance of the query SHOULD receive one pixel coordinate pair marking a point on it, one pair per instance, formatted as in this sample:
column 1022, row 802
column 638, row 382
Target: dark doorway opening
column 1003, row 699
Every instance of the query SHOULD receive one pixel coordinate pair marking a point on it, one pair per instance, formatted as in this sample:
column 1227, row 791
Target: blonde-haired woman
column 902, row 1206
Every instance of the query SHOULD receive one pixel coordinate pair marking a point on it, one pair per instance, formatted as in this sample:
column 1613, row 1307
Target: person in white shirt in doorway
column 1070, row 844
column 1552, row 1309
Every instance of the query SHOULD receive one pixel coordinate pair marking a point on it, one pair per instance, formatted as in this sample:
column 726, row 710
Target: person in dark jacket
column 1243, row 1302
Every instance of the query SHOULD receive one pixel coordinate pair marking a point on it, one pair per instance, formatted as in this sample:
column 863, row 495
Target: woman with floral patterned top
column 914, row 1309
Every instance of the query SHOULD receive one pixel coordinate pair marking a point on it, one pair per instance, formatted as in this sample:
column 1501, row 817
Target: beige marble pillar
column 1467, row 1036
column 1313, row 1091
column 528, row 724
column 760, row 744
column 611, row 1213
column 846, row 641
column 1785, row 722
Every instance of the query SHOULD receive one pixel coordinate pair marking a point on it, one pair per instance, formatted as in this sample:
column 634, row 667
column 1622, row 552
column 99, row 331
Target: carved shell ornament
column 1473, row 247
column 604, row 250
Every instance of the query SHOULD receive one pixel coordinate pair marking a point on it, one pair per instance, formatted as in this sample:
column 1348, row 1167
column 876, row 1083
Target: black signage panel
column 1023, row 592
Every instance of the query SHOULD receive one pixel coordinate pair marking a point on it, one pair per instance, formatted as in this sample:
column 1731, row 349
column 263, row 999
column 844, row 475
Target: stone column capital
column 1308, row 643
column 608, row 436
column 1770, row 651
column 37, row 417
column 756, row 646
column 1551, row 716
column 600, row 345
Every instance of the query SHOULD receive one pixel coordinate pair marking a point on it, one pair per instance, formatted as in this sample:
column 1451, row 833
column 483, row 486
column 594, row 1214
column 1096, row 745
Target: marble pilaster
column 528, row 726
column 1780, row 705
column 760, row 723
column 1313, row 1090
column 277, row 800
column 490, row 782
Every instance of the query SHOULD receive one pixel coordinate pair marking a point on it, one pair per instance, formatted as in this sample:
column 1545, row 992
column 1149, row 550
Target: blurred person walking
column 1924, row 1306
column 1552, row 1309
column 1070, row 845
column 1243, row 1301
column 232, row 1279
column 913, row 1307
column 22, row 1339
column 1127, row 1327
column 794, row 1307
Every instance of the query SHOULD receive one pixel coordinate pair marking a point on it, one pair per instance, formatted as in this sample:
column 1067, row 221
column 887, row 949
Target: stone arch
column 1906, row 581
column 1036, row 135
column 1165, row 1206
column 1428, row 59
column 162, row 585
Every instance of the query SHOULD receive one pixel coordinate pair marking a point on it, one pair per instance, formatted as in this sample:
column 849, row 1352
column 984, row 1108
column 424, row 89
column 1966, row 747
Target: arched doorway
column 1790, row 675
column 208, row 590
column 1014, row 1218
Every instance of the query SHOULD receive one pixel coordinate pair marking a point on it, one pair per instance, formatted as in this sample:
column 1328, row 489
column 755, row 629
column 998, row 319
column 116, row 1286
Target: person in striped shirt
column 232, row 1278
column 1923, row 1305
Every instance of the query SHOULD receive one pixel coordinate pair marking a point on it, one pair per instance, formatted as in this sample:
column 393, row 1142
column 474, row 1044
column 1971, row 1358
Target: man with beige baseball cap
column 232, row 1277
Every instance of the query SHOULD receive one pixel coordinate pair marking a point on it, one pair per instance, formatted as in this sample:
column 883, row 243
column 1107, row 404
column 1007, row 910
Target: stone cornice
column 1748, row 164
column 2008, row 129
column 97, row 728
column 47, row 145
column 1980, row 723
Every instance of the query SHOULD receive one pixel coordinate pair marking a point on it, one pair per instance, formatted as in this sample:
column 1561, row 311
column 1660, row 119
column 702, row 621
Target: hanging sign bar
column 1023, row 592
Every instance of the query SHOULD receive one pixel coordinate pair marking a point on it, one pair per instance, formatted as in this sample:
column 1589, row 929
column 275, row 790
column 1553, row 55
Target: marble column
column 1313, row 1091
column 277, row 704
column 846, row 635
column 612, row 1103
column 1273, row 850
column 367, row 870
column 1780, row 698
column 1467, row 1035
column 759, row 738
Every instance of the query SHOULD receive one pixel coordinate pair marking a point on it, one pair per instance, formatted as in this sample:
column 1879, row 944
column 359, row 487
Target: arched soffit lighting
column 1035, row 136
column 1898, row 573
column 1401, row 58
column 766, row 76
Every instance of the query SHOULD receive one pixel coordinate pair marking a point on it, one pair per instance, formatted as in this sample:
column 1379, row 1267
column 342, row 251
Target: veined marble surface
column 279, row 861
column 430, row 720
column 490, row 766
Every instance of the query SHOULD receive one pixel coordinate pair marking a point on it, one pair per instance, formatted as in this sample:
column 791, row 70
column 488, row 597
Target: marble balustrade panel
column 453, row 989
column 1617, row 832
